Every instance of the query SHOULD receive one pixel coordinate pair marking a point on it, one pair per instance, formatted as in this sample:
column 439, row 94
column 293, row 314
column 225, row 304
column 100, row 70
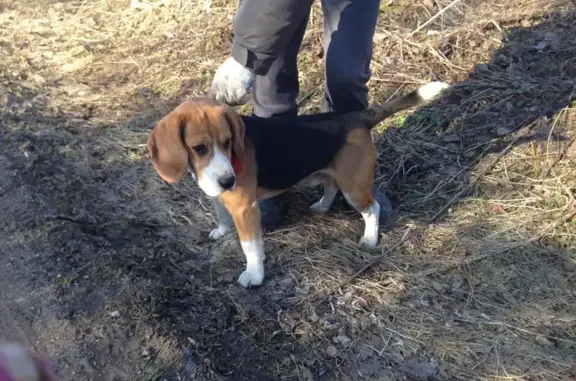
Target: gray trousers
column 348, row 32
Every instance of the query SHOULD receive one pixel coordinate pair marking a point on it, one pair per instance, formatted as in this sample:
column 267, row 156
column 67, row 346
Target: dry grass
column 480, row 284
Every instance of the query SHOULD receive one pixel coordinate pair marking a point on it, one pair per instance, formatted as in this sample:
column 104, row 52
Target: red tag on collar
column 237, row 165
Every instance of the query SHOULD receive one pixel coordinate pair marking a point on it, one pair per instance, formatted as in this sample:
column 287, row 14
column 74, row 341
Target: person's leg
column 349, row 27
column 275, row 94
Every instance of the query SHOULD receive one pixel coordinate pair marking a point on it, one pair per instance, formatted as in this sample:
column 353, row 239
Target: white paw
column 219, row 232
column 319, row 207
column 251, row 278
column 431, row 90
column 370, row 241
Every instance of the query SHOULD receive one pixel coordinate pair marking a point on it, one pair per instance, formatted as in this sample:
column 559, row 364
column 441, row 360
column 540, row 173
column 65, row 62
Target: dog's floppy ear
column 237, row 127
column 167, row 150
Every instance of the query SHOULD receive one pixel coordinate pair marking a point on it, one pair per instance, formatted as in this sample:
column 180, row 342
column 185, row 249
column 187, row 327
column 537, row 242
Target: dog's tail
column 420, row 96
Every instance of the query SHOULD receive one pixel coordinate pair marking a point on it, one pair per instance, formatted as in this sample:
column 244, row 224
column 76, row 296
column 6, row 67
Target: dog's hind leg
column 360, row 198
column 355, row 175
column 330, row 191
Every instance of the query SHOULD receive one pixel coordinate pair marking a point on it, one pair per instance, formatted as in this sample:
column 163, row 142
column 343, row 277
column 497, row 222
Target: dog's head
column 203, row 137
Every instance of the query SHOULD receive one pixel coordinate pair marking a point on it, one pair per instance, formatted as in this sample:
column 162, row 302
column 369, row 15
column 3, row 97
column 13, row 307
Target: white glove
column 232, row 83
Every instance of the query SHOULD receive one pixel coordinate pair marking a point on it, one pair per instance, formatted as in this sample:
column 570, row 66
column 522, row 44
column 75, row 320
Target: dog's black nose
column 227, row 182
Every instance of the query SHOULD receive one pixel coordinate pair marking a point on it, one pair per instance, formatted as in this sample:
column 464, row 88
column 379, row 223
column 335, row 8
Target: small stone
column 331, row 351
column 145, row 353
column 501, row 131
column 115, row 314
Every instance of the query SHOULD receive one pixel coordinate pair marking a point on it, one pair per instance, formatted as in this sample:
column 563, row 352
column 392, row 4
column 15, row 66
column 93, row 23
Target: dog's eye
column 200, row 149
column 227, row 143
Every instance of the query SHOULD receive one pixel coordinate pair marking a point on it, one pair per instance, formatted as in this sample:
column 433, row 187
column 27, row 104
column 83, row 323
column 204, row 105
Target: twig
column 440, row 13
column 545, row 173
column 366, row 267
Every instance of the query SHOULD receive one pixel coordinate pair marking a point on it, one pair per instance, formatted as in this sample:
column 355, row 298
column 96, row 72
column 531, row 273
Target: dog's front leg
column 225, row 222
column 246, row 215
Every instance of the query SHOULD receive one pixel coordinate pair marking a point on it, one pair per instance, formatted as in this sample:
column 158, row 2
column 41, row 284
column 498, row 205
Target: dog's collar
column 237, row 165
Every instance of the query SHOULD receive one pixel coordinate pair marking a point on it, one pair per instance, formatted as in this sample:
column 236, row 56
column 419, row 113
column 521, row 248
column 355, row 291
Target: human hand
column 232, row 83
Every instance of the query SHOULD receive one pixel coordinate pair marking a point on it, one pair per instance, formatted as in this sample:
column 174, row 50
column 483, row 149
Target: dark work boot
column 271, row 211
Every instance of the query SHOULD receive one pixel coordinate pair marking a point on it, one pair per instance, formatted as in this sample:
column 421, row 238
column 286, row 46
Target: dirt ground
column 108, row 271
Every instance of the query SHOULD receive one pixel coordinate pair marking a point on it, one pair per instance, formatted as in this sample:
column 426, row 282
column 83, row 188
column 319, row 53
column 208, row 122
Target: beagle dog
column 237, row 160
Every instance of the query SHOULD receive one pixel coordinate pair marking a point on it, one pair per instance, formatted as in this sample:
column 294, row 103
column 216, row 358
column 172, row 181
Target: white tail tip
column 431, row 90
